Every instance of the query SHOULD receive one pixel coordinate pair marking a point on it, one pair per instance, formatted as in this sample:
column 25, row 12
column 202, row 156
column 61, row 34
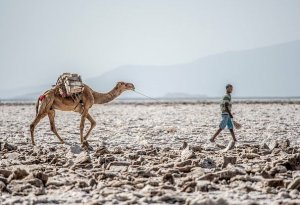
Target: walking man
column 227, row 118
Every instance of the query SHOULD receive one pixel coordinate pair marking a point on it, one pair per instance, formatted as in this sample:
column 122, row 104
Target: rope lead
column 146, row 96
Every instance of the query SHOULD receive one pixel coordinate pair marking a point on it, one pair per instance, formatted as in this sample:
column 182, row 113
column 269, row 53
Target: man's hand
column 227, row 109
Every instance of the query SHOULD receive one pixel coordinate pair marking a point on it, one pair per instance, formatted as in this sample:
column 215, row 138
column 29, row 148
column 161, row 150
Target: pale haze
column 41, row 39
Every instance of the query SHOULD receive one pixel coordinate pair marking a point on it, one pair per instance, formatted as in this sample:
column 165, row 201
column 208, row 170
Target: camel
column 51, row 100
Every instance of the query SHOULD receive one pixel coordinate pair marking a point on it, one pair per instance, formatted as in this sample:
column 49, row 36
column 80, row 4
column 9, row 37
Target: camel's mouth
column 130, row 86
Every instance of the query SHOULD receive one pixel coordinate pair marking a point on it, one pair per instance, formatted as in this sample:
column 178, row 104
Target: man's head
column 229, row 88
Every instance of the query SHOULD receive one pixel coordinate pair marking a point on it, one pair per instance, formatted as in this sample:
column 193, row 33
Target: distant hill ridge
column 268, row 71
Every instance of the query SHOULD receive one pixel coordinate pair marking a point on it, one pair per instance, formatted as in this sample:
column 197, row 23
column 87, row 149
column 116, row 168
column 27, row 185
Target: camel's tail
column 41, row 98
column 37, row 106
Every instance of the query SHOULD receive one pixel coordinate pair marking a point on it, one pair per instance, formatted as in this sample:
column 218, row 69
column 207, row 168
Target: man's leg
column 221, row 127
column 232, row 134
column 230, row 127
column 215, row 135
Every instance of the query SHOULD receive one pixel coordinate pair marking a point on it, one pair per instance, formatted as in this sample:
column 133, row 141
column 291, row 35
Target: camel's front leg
column 82, row 121
column 34, row 123
column 51, row 115
column 93, row 124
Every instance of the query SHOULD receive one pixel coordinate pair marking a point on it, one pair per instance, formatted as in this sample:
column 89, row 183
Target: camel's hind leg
column 34, row 123
column 51, row 115
column 93, row 124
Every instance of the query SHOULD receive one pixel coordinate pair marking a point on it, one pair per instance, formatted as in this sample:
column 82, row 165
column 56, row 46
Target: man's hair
column 228, row 85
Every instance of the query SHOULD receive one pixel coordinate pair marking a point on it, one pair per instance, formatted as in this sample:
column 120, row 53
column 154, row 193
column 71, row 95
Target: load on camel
column 70, row 94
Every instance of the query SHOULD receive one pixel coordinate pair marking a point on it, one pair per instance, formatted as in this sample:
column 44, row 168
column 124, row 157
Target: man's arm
column 227, row 109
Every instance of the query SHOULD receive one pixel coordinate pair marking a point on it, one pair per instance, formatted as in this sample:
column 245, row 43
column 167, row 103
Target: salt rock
column 18, row 173
column 197, row 172
column 189, row 186
column 208, row 163
column 184, row 145
column 228, row 160
column 294, row 193
column 263, row 145
column 133, row 156
column 22, row 187
column 277, row 169
column 254, row 150
column 274, row 183
column 101, row 150
column 35, row 182
column 197, row 148
column 92, row 182
column 2, row 186
column 151, row 191
column 118, row 166
column 117, row 150
column 13, row 156
column 187, row 153
column 230, row 146
column 168, row 178
column 75, row 149
column 166, row 149
column 9, row 147
column 83, row 158
column 283, row 195
column 69, row 163
column 152, row 152
column 184, row 163
column 123, row 197
column 202, row 185
column 295, row 184
column 141, row 152
column 170, row 187
column 201, row 201
column 82, row 184
column 185, row 169
column 40, row 175
column 295, row 174
column 293, row 162
column 169, row 199
column 53, row 182
column 283, row 144
column 272, row 144
column 5, row 173
column 250, row 155
column 4, row 180
column 226, row 174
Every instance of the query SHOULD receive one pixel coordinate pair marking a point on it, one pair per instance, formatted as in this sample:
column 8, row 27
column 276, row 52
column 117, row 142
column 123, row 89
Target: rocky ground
column 152, row 153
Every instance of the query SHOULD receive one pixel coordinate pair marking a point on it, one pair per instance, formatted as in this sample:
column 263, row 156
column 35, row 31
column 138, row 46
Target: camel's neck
column 100, row 98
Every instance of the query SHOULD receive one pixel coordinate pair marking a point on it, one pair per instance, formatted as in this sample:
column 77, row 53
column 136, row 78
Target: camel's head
column 125, row 86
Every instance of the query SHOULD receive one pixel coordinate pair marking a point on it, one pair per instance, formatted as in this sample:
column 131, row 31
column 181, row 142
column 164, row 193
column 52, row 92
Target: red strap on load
column 42, row 97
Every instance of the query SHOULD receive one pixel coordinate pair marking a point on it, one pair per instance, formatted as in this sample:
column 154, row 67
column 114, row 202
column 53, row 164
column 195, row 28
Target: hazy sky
column 40, row 39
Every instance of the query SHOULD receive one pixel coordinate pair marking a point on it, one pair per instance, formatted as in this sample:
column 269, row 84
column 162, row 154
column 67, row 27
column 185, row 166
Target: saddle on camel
column 69, row 84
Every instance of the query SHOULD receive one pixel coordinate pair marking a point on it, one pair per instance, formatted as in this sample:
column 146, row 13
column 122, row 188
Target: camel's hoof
column 85, row 145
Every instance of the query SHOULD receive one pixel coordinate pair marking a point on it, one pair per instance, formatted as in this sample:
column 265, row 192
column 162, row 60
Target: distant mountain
column 24, row 93
column 183, row 96
column 268, row 71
